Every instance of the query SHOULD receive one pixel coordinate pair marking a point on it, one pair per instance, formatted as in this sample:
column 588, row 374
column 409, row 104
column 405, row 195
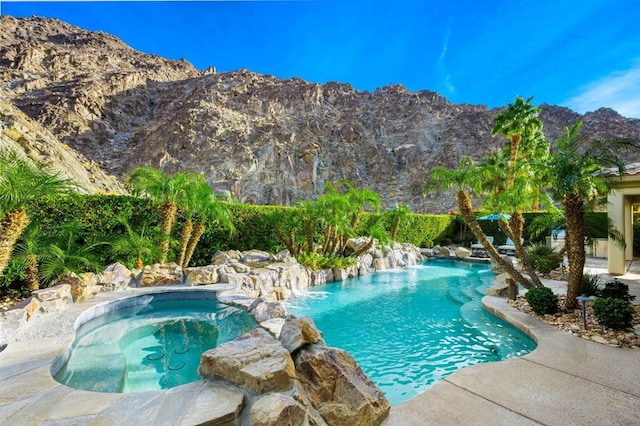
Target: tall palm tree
column 520, row 124
column 467, row 181
column 577, row 178
column 22, row 182
column 171, row 191
column 198, row 194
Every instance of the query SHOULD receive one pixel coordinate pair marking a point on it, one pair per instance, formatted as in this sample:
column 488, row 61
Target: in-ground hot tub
column 147, row 342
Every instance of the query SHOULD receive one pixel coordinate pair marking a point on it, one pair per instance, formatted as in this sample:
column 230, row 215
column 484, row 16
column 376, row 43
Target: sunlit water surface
column 409, row 328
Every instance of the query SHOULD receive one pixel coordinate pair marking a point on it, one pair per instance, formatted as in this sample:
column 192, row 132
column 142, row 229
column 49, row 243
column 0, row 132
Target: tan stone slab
column 214, row 405
column 38, row 406
column 79, row 403
column 446, row 404
column 28, row 385
column 139, row 408
column 547, row 395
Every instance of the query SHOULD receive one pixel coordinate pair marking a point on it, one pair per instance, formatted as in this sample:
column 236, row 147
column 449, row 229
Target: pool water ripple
column 408, row 329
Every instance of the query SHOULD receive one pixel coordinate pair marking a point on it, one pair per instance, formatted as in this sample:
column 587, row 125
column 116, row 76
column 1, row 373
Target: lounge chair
column 478, row 250
column 509, row 247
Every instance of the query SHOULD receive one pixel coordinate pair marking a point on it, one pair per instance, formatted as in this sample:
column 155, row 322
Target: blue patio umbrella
column 495, row 216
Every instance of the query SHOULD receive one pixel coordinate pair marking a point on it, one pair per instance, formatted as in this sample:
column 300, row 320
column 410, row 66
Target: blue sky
column 580, row 54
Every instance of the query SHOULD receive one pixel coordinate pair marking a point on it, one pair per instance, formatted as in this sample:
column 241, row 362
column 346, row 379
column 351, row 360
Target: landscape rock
column 254, row 361
column 214, row 405
column 498, row 269
column 277, row 409
column 257, row 256
column 499, row 289
column 264, row 311
column 161, row 274
column 338, row 388
column 320, row 277
column 273, row 326
column 441, row 251
column 115, row 276
column 220, row 258
column 201, row 275
column 462, row 252
column 298, row 332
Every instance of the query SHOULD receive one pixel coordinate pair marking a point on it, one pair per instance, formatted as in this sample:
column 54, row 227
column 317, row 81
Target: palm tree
column 197, row 194
column 70, row 254
column 401, row 212
column 467, row 181
column 520, row 124
column 135, row 245
column 22, row 182
column 29, row 250
column 171, row 191
column 359, row 199
column 577, row 178
column 210, row 211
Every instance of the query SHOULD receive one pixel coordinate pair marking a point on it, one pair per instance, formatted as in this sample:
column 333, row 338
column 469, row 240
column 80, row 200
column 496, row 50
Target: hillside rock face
column 263, row 139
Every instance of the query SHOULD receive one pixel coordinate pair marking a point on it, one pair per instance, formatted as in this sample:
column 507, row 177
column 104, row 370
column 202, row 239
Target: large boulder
column 257, row 256
column 201, row 275
column 115, row 276
column 264, row 311
column 82, row 287
column 497, row 269
column 320, row 277
column 277, row 409
column 462, row 252
column 440, row 251
column 254, row 361
column 338, row 388
column 298, row 332
column 161, row 274
column 54, row 298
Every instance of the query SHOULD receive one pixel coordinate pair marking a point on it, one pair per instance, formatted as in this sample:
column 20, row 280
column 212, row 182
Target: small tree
column 22, row 182
column 577, row 179
column 171, row 191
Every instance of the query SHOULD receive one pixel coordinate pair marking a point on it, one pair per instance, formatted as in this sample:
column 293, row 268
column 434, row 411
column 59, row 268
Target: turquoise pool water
column 410, row 328
column 155, row 345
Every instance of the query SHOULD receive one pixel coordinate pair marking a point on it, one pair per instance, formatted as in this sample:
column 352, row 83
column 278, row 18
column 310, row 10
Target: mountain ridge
column 263, row 139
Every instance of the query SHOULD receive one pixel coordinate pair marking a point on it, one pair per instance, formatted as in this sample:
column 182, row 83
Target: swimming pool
column 409, row 328
column 149, row 342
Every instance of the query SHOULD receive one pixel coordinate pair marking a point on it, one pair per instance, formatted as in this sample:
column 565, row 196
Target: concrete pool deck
column 566, row 380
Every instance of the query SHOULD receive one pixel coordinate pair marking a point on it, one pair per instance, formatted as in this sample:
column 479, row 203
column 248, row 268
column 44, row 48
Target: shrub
column 545, row 259
column 591, row 285
column 316, row 261
column 542, row 300
column 613, row 313
column 616, row 289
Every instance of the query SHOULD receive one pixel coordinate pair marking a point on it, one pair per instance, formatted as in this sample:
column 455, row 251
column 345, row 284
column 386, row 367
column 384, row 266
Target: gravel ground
column 572, row 322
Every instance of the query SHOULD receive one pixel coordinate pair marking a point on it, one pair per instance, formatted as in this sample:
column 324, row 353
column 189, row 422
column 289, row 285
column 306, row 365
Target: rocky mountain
column 263, row 139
